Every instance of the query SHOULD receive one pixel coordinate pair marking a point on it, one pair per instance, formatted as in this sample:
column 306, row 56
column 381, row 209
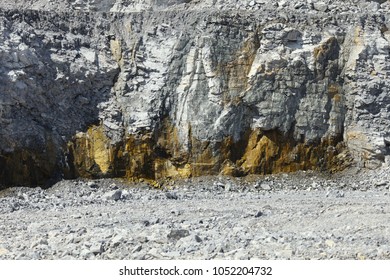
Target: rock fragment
column 259, row 214
column 113, row 195
column 177, row 234
column 171, row 195
column 320, row 6
column 97, row 248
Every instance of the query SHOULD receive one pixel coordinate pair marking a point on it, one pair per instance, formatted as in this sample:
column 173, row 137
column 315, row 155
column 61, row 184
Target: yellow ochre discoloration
column 159, row 156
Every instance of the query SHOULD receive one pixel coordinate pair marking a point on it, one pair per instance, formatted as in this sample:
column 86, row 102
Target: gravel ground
column 305, row 215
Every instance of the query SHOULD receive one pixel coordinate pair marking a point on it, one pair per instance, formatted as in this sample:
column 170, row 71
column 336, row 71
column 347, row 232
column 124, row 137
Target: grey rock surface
column 178, row 88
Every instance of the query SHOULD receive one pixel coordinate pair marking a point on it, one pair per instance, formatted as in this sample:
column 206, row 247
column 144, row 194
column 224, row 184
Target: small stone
column 198, row 239
column 171, row 195
column 372, row 6
column 241, row 255
column 176, row 234
column 320, row 6
column 43, row 241
column 171, row 254
column 117, row 240
column 137, row 249
column 3, row 251
column 228, row 187
column 125, row 194
column 266, row 187
column 96, row 248
column 81, row 231
column 210, row 248
column 380, row 183
column 92, row 185
column 340, row 194
column 85, row 253
column 142, row 239
column 360, row 256
column 154, row 252
column 113, row 195
column 330, row 243
column 259, row 214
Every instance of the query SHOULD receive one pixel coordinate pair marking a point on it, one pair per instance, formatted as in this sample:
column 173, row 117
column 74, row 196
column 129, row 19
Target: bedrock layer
column 186, row 92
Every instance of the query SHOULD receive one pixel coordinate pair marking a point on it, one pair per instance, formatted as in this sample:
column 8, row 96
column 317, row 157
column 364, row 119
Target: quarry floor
column 305, row 215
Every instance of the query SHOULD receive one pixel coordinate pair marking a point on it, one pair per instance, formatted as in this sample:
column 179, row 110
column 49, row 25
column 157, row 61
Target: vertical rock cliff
column 162, row 89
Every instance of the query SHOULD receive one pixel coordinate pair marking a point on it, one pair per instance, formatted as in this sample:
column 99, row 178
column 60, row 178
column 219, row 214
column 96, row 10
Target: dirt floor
column 305, row 215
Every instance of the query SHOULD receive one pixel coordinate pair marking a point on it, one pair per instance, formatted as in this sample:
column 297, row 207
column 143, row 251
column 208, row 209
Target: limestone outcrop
column 178, row 88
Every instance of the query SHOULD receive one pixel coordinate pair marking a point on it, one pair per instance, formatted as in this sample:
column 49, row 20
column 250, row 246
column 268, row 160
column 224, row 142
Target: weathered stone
column 133, row 89
column 97, row 248
column 320, row 6
column 259, row 214
column 137, row 249
column 3, row 251
column 177, row 234
column 113, row 195
column 266, row 187
column 117, row 240
column 198, row 239
column 171, row 195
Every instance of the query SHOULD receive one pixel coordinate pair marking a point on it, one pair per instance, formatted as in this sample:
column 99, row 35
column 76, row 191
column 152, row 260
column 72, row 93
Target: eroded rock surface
column 185, row 88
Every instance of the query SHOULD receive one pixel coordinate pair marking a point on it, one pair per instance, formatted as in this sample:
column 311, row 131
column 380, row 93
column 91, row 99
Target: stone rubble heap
column 297, row 216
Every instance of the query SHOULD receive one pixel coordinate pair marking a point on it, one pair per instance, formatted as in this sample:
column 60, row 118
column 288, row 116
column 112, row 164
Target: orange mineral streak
column 160, row 156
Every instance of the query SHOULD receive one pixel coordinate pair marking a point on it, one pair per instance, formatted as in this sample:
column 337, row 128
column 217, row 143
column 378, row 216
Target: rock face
column 181, row 88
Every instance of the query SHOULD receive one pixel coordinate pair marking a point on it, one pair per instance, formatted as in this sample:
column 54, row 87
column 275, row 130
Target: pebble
column 85, row 253
column 381, row 183
column 330, row 243
column 266, row 187
column 176, row 234
column 126, row 194
column 137, row 249
column 228, row 187
column 171, row 195
column 320, row 6
column 259, row 214
column 198, row 239
column 92, row 185
column 117, row 240
column 340, row 194
column 113, row 195
column 3, row 251
column 97, row 248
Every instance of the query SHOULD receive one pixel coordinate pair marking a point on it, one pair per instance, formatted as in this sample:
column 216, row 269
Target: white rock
column 320, row 6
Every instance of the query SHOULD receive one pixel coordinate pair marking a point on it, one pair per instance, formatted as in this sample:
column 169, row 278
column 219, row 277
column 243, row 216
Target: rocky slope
column 182, row 88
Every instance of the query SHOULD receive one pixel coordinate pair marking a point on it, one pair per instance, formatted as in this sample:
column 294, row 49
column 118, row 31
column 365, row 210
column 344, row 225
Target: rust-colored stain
column 159, row 156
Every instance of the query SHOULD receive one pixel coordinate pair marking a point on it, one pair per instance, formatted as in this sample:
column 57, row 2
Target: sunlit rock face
column 156, row 89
